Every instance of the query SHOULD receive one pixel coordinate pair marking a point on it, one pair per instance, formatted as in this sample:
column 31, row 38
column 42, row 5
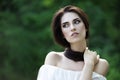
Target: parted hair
column 56, row 23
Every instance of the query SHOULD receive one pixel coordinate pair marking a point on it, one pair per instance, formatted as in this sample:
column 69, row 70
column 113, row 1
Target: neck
column 79, row 46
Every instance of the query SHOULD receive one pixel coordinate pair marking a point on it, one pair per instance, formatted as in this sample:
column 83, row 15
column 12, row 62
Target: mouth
column 74, row 34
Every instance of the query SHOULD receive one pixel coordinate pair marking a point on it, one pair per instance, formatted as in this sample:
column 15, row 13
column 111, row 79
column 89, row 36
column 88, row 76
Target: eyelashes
column 74, row 22
column 65, row 25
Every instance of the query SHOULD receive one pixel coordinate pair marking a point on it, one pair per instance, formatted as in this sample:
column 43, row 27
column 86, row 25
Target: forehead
column 69, row 16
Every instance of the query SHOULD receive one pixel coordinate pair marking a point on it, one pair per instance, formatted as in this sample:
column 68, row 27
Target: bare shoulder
column 102, row 67
column 52, row 58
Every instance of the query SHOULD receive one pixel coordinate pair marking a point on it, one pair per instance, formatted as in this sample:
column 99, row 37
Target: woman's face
column 72, row 27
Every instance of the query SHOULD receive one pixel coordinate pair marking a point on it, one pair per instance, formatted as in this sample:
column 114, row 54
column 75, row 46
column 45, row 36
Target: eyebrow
column 76, row 19
column 68, row 22
column 64, row 23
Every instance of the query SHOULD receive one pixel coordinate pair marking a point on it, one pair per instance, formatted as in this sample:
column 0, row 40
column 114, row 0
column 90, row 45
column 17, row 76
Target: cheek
column 65, row 33
column 83, row 28
column 84, row 31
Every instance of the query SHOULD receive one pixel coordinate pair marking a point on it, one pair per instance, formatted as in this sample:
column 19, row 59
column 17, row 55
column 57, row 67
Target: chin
column 75, row 40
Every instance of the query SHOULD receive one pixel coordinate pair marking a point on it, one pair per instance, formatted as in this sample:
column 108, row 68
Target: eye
column 76, row 21
column 65, row 25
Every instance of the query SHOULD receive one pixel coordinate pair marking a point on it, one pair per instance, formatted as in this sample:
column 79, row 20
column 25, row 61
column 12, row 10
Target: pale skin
column 74, row 32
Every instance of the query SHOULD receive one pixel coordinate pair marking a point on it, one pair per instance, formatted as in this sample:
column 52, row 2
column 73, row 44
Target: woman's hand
column 91, row 57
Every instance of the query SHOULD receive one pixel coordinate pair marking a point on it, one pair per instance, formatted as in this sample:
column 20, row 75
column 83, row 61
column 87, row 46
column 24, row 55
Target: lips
column 74, row 34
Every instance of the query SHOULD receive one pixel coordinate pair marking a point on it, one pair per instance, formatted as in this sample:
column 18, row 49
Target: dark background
column 26, row 36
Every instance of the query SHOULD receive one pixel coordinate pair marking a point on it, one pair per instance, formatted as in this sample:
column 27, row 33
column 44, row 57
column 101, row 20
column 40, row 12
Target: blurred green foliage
column 26, row 36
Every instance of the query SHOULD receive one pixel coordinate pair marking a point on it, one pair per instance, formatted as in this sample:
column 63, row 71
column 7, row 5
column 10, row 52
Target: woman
column 71, row 30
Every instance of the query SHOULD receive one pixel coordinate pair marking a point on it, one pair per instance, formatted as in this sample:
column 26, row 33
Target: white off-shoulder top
column 49, row 72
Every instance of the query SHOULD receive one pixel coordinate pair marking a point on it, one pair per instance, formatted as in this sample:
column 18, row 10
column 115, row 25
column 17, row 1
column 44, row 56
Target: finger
column 98, row 56
column 95, row 53
column 86, row 50
column 97, row 59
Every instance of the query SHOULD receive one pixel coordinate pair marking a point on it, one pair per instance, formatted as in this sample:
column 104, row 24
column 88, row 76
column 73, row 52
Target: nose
column 73, row 28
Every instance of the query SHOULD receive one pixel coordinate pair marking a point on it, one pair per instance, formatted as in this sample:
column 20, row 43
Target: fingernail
column 86, row 47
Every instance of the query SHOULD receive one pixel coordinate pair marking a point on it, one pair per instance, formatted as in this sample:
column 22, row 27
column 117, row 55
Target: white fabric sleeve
column 41, row 74
column 97, row 76
column 47, row 72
